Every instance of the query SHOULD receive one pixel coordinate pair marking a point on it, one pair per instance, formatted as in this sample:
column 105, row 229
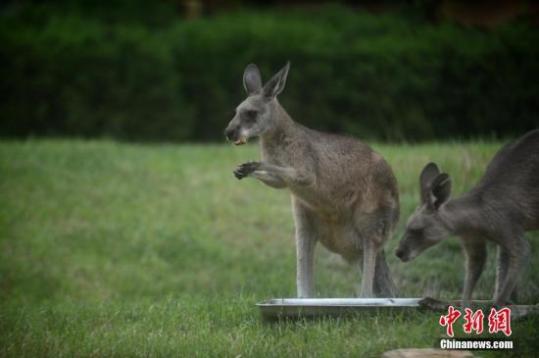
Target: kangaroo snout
column 233, row 135
column 405, row 251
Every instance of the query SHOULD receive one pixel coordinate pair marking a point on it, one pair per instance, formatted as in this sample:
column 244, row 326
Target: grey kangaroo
column 500, row 208
column 343, row 193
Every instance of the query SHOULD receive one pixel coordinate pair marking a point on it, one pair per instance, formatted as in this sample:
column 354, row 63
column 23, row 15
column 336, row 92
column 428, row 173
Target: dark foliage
column 389, row 76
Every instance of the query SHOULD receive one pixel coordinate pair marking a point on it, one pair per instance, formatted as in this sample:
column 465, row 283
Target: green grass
column 117, row 249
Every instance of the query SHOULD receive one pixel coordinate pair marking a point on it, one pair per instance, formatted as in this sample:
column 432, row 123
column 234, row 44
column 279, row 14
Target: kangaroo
column 500, row 208
column 343, row 193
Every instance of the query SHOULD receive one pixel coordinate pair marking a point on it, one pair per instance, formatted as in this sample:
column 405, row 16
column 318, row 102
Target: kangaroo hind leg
column 383, row 282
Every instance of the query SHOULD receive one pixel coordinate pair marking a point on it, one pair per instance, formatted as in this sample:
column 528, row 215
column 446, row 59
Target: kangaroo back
column 520, row 157
column 512, row 178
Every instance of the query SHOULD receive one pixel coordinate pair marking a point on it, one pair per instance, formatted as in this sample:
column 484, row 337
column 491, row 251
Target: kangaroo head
column 425, row 227
column 254, row 116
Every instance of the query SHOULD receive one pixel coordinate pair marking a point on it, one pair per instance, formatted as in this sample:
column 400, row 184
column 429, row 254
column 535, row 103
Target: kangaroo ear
column 276, row 85
column 425, row 180
column 252, row 81
column 441, row 190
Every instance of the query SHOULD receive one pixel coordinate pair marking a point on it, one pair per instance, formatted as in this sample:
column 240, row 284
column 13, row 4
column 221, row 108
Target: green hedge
column 376, row 76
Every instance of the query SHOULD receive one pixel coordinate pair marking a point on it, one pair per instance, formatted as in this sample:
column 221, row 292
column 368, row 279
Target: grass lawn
column 111, row 249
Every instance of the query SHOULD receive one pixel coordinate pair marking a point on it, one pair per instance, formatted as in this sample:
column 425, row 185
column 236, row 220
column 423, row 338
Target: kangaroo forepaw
column 243, row 170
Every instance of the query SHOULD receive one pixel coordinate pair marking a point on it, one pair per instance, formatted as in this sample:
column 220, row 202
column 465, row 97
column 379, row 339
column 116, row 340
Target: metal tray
column 277, row 308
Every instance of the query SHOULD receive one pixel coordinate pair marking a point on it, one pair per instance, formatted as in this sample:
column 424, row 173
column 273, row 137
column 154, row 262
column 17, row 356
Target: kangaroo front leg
column 476, row 254
column 273, row 175
column 516, row 256
column 369, row 266
column 501, row 269
column 501, row 272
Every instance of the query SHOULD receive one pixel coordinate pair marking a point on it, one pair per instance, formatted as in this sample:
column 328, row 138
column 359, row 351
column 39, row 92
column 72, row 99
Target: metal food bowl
column 278, row 308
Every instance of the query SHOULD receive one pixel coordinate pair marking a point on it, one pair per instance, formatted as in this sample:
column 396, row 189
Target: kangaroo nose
column 230, row 133
column 399, row 253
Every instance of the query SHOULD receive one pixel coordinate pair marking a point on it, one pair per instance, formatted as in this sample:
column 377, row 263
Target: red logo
column 474, row 321
column 449, row 320
column 498, row 321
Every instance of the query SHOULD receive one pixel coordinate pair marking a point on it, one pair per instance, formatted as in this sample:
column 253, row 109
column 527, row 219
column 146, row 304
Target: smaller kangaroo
column 343, row 193
column 500, row 208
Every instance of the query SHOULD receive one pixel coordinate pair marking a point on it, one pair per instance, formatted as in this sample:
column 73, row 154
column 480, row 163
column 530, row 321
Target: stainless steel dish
column 312, row 307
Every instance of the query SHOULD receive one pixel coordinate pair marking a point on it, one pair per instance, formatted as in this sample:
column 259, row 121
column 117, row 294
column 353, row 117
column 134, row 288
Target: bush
column 376, row 76
column 78, row 77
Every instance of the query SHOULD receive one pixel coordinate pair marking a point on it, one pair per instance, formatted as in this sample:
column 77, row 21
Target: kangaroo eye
column 416, row 231
column 251, row 115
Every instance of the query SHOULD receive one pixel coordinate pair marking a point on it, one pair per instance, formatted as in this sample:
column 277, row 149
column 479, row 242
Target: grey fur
column 343, row 193
column 500, row 208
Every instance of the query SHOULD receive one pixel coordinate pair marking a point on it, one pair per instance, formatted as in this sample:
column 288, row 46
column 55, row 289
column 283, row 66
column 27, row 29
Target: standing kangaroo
column 343, row 193
column 500, row 208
